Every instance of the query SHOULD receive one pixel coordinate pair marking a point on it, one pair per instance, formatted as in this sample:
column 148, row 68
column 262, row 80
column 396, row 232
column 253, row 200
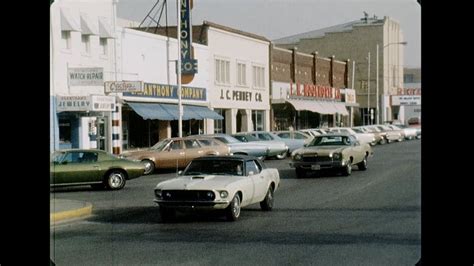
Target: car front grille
column 188, row 195
column 313, row 158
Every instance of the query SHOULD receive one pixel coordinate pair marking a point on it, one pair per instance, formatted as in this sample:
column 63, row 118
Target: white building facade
column 238, row 79
column 81, row 59
column 150, row 115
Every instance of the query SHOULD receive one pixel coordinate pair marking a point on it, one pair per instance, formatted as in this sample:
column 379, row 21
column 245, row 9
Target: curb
column 70, row 214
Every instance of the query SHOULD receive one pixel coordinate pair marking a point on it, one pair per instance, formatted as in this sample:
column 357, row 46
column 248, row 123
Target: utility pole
column 178, row 71
column 377, row 87
column 368, row 90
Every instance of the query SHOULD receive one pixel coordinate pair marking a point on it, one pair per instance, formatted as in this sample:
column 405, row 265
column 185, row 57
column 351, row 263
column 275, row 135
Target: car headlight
column 158, row 193
column 336, row 156
column 297, row 157
column 224, row 194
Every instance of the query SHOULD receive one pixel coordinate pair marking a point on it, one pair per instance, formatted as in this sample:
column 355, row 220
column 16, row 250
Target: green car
column 97, row 168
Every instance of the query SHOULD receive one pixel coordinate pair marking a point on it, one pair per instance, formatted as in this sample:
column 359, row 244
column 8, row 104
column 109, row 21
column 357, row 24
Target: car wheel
column 281, row 156
column 267, row 203
column 382, row 141
column 149, row 166
column 300, row 173
column 167, row 214
column 233, row 210
column 115, row 180
column 347, row 170
column 363, row 165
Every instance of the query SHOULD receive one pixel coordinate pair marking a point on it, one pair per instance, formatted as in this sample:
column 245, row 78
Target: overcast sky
column 281, row 18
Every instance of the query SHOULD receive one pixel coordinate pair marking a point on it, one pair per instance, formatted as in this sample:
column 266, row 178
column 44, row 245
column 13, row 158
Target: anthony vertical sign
column 188, row 63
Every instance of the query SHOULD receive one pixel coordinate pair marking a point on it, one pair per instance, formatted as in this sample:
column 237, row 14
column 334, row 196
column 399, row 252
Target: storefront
column 406, row 105
column 300, row 106
column 83, row 121
column 152, row 114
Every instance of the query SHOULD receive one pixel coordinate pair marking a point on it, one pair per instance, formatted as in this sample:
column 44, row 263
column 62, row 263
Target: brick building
column 307, row 90
column 358, row 40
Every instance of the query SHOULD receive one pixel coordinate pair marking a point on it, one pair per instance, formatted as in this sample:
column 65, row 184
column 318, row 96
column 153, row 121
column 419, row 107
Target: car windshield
column 246, row 138
column 57, row 156
column 160, row 145
column 214, row 167
column 330, row 140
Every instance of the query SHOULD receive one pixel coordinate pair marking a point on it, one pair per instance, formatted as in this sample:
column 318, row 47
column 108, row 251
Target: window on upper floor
column 241, row 74
column 258, row 76
column 103, row 46
column 66, row 39
column 222, row 68
column 85, row 44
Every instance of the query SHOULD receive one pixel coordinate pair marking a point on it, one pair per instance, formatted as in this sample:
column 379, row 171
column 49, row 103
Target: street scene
column 256, row 133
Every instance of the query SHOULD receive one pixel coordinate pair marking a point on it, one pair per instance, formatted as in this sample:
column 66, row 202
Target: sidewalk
column 63, row 210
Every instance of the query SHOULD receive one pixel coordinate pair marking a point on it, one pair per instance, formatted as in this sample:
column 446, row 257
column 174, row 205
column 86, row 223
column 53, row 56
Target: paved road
column 369, row 218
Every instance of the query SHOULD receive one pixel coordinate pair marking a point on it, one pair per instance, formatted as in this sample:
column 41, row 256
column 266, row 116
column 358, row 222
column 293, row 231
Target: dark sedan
column 92, row 167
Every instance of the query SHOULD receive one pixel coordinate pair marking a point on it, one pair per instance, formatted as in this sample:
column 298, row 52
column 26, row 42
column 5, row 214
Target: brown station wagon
column 176, row 152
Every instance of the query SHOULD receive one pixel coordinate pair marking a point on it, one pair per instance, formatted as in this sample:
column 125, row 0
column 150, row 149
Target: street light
column 377, row 76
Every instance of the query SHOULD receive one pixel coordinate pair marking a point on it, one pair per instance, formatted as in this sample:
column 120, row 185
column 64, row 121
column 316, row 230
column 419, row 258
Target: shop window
column 219, row 124
column 65, row 133
column 258, row 120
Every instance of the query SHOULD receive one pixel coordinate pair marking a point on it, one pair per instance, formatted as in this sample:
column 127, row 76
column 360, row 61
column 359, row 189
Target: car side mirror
column 180, row 172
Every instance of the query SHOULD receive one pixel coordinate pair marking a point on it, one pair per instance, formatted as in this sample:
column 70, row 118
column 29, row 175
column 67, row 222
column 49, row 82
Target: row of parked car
column 219, row 173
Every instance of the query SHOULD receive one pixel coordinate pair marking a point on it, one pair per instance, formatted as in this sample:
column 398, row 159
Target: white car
column 218, row 183
column 362, row 137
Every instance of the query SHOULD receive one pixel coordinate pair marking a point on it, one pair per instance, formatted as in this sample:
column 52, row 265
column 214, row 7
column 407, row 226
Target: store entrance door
column 102, row 133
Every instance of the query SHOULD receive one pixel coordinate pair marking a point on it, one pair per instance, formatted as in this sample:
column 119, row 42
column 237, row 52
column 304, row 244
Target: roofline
column 229, row 29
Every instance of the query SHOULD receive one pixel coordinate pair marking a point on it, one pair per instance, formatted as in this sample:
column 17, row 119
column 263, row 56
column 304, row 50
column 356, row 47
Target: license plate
column 315, row 167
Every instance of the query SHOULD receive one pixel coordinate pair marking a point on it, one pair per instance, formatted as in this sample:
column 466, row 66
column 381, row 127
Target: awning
column 87, row 26
column 162, row 111
column 67, row 21
column 341, row 108
column 104, row 28
column 313, row 106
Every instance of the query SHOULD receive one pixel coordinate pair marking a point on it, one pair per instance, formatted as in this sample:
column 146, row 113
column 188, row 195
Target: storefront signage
column 102, row 103
column 406, row 100
column 245, row 96
column 169, row 92
column 123, row 86
column 349, row 95
column 86, row 76
column 282, row 90
column 409, row 91
column 73, row 103
column 85, row 103
column 188, row 63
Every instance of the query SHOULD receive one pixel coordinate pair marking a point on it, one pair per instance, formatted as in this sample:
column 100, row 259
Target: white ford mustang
column 218, row 182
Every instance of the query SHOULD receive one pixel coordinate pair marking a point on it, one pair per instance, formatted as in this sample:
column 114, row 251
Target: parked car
column 331, row 151
column 410, row 133
column 218, row 183
column 391, row 134
column 292, row 144
column 93, row 167
column 379, row 137
column 295, row 134
column 362, row 137
column 176, row 152
column 276, row 148
column 238, row 147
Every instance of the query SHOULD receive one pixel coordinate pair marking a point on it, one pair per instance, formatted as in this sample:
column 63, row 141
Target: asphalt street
column 369, row 218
